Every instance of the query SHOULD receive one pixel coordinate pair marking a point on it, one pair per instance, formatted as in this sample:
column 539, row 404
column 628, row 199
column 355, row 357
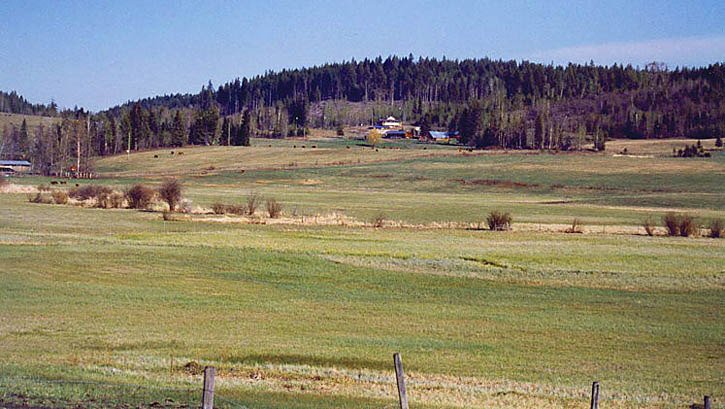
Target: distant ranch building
column 10, row 167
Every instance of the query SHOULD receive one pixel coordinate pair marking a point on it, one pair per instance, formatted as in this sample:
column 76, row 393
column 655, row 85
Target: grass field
column 303, row 315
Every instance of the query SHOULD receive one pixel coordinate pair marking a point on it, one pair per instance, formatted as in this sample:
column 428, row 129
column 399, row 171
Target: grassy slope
column 308, row 316
column 7, row 119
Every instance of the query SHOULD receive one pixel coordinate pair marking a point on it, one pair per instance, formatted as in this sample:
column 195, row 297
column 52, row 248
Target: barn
column 10, row 167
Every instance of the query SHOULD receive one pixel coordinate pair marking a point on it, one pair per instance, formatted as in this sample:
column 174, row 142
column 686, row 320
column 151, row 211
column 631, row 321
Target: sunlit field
column 306, row 311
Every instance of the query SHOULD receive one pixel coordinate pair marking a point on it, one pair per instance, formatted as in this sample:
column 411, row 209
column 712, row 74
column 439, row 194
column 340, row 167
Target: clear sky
column 97, row 54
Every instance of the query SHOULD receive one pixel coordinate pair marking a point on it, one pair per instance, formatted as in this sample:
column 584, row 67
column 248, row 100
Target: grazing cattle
column 53, row 182
column 156, row 156
column 63, row 182
column 180, row 153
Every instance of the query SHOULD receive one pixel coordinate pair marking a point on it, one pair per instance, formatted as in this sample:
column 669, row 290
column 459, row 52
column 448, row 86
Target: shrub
column 39, row 197
column 237, row 210
column 575, row 227
column 86, row 192
column 499, row 221
column 649, row 226
column 60, row 197
column 339, row 131
column 379, row 221
column 116, row 199
column 140, row 196
column 688, row 226
column 43, row 188
column 218, row 208
column 274, row 208
column 170, row 192
column 168, row 216
column 672, row 223
column 253, row 201
column 716, row 228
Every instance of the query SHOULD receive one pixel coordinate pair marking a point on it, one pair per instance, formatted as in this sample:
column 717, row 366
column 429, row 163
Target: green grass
column 308, row 316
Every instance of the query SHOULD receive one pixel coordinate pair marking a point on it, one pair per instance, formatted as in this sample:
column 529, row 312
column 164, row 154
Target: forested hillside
column 13, row 103
column 492, row 103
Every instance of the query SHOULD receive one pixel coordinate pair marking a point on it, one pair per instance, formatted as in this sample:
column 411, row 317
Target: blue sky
column 97, row 54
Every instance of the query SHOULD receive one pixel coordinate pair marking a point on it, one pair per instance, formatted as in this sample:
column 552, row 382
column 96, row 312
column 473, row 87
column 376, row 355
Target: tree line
column 518, row 105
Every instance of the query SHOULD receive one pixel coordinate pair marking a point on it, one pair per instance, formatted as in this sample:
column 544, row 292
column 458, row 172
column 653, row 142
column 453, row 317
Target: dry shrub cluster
column 576, row 227
column 170, row 192
column 379, row 221
column 86, row 192
column 140, row 196
column 649, row 226
column 253, row 201
column 680, row 225
column 221, row 208
column 274, row 208
column 499, row 221
column 716, row 228
column 40, row 197
column 59, row 196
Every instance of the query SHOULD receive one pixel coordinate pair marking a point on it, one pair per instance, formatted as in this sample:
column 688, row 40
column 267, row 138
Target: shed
column 16, row 166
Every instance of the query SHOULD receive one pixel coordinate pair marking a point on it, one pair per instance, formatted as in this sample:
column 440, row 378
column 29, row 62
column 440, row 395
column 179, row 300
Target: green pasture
column 308, row 316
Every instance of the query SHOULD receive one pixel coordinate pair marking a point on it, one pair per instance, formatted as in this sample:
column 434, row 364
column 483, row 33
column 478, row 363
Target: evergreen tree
column 179, row 136
column 245, row 131
column 23, row 144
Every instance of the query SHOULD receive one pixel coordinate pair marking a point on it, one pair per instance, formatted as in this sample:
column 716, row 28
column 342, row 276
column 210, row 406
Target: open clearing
column 305, row 315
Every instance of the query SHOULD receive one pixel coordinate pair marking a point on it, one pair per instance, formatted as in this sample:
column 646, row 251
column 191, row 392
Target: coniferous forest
column 492, row 103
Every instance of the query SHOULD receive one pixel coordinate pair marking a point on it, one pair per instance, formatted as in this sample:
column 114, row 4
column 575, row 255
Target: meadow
column 304, row 314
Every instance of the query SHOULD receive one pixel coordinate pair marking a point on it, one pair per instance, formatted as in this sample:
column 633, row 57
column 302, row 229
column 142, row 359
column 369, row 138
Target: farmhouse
column 390, row 123
column 14, row 166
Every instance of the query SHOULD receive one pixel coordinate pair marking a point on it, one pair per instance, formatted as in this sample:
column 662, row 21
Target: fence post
column 708, row 405
column 595, row 396
column 207, row 397
column 400, row 377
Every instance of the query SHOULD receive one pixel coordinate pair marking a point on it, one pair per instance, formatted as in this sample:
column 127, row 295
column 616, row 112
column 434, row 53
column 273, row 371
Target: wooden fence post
column 207, row 397
column 595, row 396
column 708, row 405
column 400, row 377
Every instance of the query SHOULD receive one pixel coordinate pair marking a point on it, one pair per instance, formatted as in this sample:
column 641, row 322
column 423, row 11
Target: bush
column 237, row 210
column 253, row 201
column 575, row 227
column 170, row 192
column 379, row 221
column 43, row 188
column 116, row 199
column 86, row 192
column 688, row 226
column 274, row 208
column 60, row 197
column 716, row 228
column 649, row 226
column 39, row 198
column 218, row 208
column 140, row 196
column 499, row 221
column 339, row 131
column 672, row 223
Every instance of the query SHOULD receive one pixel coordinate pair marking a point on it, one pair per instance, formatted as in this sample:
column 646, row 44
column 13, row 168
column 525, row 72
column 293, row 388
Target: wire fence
column 41, row 393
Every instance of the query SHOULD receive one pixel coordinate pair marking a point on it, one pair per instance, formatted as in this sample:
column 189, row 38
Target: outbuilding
column 14, row 166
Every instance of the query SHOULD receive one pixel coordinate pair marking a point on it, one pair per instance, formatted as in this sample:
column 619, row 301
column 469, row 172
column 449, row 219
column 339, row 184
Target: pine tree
column 245, row 130
column 23, row 141
column 179, row 137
